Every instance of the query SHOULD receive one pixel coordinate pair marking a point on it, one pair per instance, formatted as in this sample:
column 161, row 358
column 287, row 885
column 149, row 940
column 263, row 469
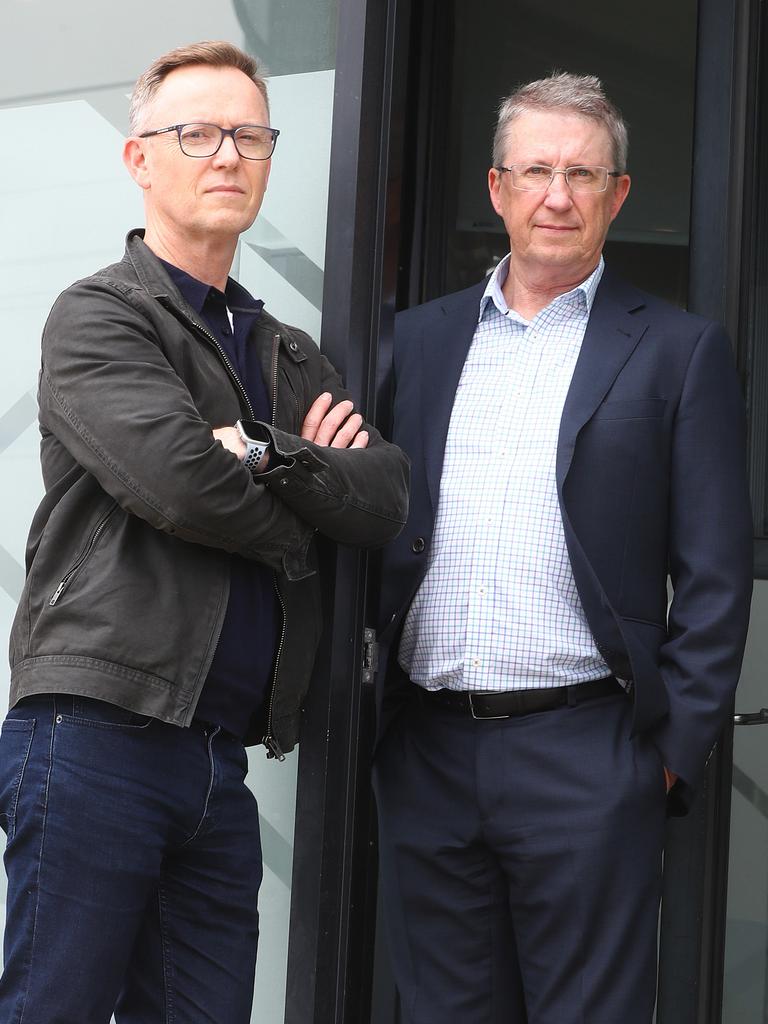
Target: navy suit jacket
column 651, row 481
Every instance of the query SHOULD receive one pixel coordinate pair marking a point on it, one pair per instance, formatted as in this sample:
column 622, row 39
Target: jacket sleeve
column 110, row 396
column 354, row 496
column 710, row 560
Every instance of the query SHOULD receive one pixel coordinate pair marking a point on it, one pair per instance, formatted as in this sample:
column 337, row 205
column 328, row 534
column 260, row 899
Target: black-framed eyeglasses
column 198, row 139
column 538, row 177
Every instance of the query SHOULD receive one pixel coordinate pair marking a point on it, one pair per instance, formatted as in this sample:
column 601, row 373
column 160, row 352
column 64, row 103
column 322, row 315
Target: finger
column 361, row 440
column 346, row 433
column 315, row 415
column 332, row 421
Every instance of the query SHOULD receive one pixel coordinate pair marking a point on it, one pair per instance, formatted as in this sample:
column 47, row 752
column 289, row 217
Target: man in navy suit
column 574, row 444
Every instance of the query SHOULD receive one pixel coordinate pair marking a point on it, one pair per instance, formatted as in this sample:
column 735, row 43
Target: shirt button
column 418, row 545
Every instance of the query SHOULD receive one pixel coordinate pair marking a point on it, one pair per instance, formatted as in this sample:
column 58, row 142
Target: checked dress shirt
column 498, row 608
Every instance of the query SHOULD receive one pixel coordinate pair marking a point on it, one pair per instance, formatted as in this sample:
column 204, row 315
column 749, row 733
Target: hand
column 334, row 426
column 231, row 440
column 670, row 777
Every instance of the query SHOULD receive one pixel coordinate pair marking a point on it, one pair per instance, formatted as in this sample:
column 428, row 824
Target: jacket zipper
column 273, row 747
column 83, row 556
column 241, row 391
column 230, row 368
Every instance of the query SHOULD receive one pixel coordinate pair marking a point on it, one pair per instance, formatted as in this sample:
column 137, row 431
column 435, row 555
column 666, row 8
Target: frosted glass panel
column 65, row 215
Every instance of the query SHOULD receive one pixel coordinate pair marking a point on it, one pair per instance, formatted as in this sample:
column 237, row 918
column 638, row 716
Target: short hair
column 577, row 94
column 211, row 53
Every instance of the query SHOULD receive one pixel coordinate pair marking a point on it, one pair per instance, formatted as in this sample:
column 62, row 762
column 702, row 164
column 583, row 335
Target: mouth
column 232, row 190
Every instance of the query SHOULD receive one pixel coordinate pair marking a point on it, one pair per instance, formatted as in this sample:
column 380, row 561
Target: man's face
column 557, row 233
column 189, row 197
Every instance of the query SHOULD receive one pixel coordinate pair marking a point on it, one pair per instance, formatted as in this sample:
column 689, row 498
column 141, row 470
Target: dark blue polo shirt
column 241, row 671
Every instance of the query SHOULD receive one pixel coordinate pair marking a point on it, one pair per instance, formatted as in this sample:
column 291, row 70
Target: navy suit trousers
column 521, row 864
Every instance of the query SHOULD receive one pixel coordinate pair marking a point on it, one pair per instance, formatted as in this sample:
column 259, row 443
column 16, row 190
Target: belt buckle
column 483, row 718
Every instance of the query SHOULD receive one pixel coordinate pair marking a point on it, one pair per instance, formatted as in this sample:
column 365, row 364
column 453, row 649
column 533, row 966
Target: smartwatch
column 254, row 450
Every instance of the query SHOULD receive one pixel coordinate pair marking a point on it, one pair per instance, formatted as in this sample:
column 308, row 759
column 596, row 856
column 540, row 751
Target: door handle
column 756, row 718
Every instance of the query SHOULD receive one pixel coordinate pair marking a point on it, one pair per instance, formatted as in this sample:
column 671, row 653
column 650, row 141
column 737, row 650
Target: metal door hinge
column 370, row 656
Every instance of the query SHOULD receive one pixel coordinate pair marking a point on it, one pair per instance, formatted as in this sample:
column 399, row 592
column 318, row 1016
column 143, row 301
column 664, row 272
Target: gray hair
column 577, row 94
column 210, row 53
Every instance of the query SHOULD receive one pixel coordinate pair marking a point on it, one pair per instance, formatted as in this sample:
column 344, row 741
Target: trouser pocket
column 15, row 745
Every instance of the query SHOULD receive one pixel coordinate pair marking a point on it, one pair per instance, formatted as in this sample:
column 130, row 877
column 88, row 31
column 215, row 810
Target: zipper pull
column 273, row 748
column 57, row 593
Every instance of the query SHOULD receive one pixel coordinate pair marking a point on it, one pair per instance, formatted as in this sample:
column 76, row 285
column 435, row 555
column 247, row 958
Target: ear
column 620, row 193
column 135, row 159
column 494, row 186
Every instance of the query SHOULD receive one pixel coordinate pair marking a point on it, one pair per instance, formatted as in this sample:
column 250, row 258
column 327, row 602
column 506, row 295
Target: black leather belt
column 509, row 703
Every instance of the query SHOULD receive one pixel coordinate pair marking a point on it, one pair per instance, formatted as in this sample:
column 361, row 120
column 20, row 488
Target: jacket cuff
column 292, row 464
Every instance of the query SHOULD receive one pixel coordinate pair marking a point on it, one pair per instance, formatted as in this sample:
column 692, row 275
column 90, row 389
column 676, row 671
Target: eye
column 583, row 173
column 197, row 133
column 536, row 171
column 254, row 136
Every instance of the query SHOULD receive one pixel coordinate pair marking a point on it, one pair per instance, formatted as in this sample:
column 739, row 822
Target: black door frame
column 696, row 864
column 333, row 900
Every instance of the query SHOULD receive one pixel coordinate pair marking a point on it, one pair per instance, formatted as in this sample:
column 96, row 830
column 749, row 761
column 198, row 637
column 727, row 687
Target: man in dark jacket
column 191, row 447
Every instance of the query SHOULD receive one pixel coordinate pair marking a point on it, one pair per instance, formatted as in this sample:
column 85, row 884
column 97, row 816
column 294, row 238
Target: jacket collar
column 616, row 325
column 155, row 280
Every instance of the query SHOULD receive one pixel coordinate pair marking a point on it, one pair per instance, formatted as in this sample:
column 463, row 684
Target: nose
column 227, row 153
column 559, row 192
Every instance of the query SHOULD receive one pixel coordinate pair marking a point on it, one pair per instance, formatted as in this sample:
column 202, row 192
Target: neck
column 529, row 293
column 209, row 259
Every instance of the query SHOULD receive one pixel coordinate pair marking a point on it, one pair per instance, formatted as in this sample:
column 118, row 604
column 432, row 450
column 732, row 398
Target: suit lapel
column 614, row 330
column 444, row 347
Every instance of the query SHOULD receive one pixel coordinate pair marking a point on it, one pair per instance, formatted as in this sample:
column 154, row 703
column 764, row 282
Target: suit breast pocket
column 631, row 409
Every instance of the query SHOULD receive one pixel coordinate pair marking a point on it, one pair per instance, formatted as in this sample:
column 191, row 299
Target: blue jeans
column 133, row 863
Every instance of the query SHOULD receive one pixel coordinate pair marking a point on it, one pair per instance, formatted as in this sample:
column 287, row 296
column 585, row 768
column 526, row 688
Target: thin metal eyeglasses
column 538, row 177
column 198, row 139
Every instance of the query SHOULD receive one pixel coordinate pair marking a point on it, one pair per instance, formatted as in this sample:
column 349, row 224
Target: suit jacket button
column 418, row 545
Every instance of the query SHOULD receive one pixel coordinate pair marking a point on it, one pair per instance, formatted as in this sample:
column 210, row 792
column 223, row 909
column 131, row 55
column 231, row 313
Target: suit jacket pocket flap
column 631, row 409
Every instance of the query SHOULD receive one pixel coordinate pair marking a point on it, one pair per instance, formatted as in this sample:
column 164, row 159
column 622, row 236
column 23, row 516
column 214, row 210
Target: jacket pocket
column 74, row 570
column 631, row 409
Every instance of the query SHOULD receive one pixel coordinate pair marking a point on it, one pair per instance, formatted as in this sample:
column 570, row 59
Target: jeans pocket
column 101, row 714
column 15, row 744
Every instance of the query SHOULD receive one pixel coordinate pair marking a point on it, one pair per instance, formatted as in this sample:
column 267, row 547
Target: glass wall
column 66, row 204
column 745, row 998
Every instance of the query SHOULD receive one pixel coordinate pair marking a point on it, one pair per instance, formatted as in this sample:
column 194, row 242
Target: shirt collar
column 584, row 292
column 237, row 298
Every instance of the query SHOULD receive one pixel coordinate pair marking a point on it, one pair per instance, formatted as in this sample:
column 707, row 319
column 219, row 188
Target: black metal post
column 696, row 864
column 333, row 895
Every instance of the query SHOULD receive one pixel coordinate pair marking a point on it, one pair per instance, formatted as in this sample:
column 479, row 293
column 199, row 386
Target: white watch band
column 254, row 450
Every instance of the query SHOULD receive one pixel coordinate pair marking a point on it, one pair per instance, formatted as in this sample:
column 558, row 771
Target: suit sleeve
column 710, row 559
